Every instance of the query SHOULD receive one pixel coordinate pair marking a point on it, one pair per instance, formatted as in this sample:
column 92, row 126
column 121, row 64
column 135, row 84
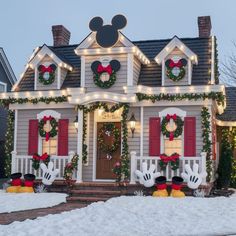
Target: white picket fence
column 23, row 164
column 136, row 162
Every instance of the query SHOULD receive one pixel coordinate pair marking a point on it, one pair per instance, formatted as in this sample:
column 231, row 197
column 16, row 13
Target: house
column 7, row 80
column 119, row 102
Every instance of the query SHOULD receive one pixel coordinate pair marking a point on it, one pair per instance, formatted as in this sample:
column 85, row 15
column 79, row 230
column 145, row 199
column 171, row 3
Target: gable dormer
column 50, row 69
column 177, row 61
column 109, row 60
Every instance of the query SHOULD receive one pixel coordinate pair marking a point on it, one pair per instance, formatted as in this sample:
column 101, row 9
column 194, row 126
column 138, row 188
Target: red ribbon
column 102, row 69
column 46, row 69
column 167, row 159
column 168, row 117
column 40, row 158
column 171, row 138
column 46, row 118
column 175, row 64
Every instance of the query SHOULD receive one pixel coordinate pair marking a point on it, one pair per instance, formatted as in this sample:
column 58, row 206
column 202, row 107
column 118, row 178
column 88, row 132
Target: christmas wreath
column 47, row 74
column 173, row 160
column 110, row 70
column 52, row 132
column 110, row 130
column 36, row 159
column 174, row 120
column 175, row 70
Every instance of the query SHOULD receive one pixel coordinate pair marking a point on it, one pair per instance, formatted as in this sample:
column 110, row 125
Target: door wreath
column 47, row 74
column 50, row 133
column 172, row 132
column 109, row 129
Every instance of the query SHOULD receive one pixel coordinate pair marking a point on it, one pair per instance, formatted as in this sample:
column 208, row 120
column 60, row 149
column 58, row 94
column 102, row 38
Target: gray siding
column 23, row 122
column 137, row 68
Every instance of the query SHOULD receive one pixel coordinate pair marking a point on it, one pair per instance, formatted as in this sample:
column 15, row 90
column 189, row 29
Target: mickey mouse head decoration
column 107, row 35
column 47, row 74
column 175, row 70
column 105, row 76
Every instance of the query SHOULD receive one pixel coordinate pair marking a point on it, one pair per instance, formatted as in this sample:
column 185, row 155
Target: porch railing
column 136, row 162
column 23, row 164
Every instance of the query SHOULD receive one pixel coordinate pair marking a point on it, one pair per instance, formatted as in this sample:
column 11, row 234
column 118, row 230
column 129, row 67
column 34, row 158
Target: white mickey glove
column 49, row 174
column 192, row 177
column 147, row 177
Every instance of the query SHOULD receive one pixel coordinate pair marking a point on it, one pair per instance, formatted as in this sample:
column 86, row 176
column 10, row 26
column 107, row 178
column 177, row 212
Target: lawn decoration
column 107, row 35
column 47, row 74
column 177, row 183
column 147, row 176
column 176, row 70
column 105, row 76
column 15, row 183
column 117, row 171
column 161, row 187
column 172, row 126
column 173, row 160
column 28, row 184
column 70, row 168
column 193, row 177
column 48, row 127
column 49, row 174
column 37, row 159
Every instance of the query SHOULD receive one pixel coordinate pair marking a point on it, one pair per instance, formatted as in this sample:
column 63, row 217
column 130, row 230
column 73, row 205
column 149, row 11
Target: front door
column 105, row 160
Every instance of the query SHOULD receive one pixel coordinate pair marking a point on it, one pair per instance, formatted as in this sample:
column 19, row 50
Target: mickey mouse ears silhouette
column 107, row 35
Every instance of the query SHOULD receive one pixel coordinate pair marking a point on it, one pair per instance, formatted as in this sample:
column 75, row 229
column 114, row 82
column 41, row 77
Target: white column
column 132, row 167
column 130, row 69
column 203, row 165
column 141, row 131
column 80, row 146
column 15, row 129
column 13, row 162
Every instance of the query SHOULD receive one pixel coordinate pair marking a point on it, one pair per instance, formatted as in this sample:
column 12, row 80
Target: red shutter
column 63, row 137
column 190, row 136
column 33, row 137
column 154, row 136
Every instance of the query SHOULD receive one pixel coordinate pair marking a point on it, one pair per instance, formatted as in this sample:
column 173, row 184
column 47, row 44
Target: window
column 3, row 87
column 173, row 146
column 50, row 146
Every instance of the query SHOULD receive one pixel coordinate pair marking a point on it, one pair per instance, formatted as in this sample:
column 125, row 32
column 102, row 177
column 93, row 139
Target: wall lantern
column 132, row 122
column 76, row 124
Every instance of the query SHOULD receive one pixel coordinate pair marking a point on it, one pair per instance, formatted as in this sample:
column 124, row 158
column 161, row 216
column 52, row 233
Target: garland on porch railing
column 217, row 96
column 9, row 142
column 125, row 147
column 84, row 148
column 206, row 130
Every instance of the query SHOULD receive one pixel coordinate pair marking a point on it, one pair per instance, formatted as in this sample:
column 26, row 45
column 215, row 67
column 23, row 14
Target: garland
column 109, row 129
column 172, row 159
column 217, row 74
column 206, row 130
column 70, row 168
column 54, row 124
column 9, row 142
column 173, row 134
column 47, row 74
column 85, row 147
column 125, row 148
column 217, row 96
column 36, row 159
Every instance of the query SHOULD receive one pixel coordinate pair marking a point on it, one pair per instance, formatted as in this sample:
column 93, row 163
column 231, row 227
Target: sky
column 26, row 24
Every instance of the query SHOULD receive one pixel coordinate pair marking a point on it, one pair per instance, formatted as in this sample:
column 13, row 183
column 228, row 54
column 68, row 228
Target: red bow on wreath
column 175, row 64
column 168, row 117
column 46, row 69
column 167, row 159
column 102, row 69
column 40, row 158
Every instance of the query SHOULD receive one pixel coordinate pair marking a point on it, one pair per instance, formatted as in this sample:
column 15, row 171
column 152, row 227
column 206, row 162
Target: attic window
column 3, row 87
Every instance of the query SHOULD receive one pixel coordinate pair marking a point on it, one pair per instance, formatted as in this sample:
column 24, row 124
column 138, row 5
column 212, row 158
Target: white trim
column 226, row 123
column 171, row 111
column 141, row 130
column 5, row 86
column 58, row 77
column 212, row 60
column 163, row 73
column 82, row 72
column 52, row 113
column 189, row 72
column 35, row 78
column 175, row 42
column 130, row 69
column 15, row 130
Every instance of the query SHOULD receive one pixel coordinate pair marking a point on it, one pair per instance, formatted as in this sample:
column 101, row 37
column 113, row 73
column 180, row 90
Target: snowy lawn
column 10, row 202
column 137, row 216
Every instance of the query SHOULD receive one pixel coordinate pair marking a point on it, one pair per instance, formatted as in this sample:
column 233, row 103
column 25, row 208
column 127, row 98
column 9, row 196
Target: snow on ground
column 137, row 216
column 10, row 202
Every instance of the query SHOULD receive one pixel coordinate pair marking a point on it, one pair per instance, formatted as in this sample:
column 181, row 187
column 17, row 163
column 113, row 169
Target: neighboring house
column 7, row 80
column 171, row 87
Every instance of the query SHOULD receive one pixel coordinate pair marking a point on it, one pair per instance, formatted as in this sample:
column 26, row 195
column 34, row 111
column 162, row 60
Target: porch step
column 86, row 200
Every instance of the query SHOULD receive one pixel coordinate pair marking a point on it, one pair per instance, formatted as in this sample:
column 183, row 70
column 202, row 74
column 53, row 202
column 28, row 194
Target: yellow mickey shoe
column 176, row 187
column 15, row 183
column 29, row 183
column 161, row 187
